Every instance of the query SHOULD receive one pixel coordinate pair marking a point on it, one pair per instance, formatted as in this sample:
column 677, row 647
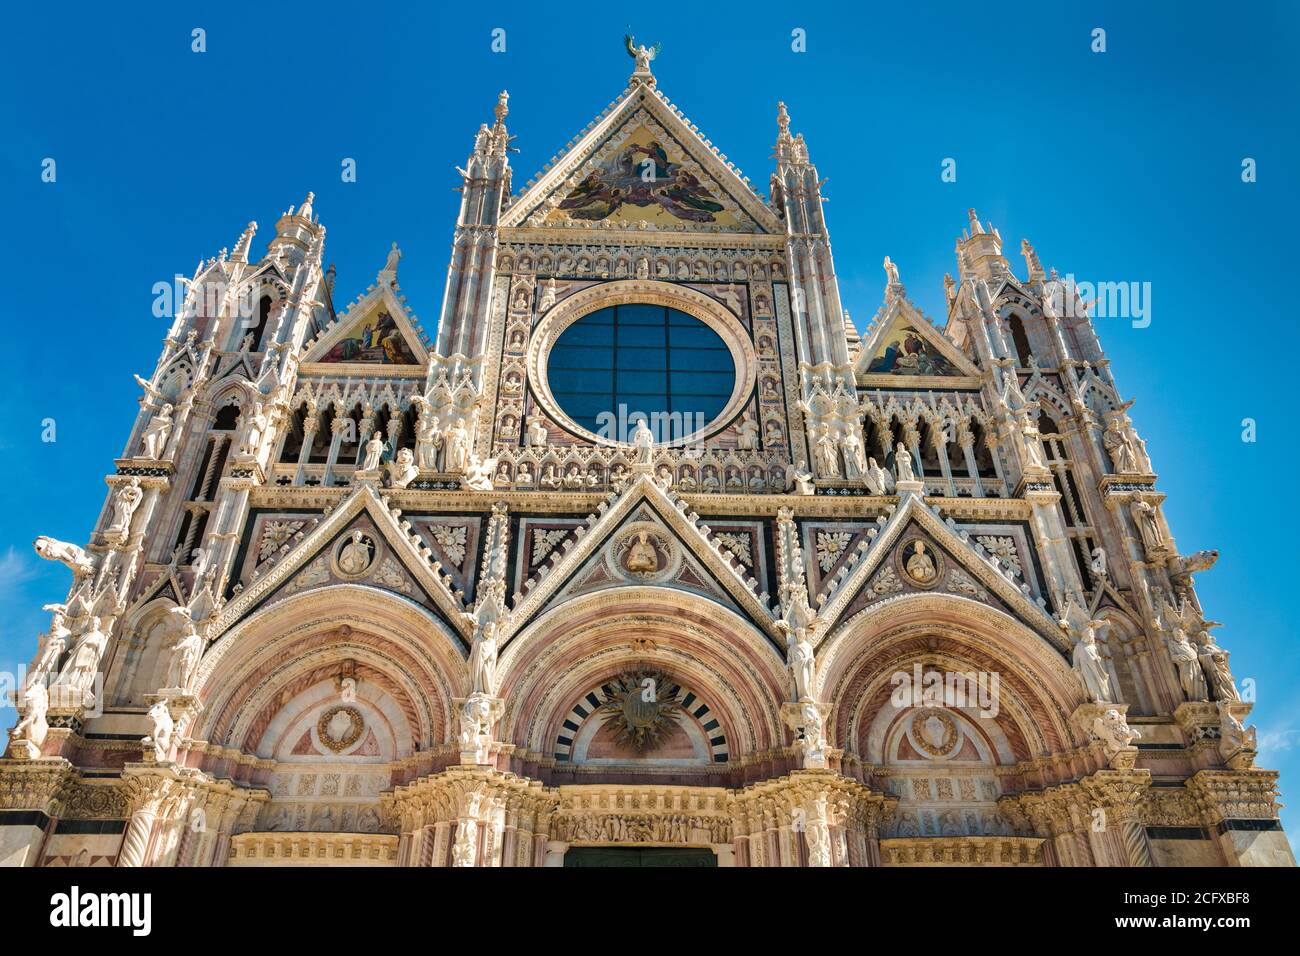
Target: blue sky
column 1121, row 166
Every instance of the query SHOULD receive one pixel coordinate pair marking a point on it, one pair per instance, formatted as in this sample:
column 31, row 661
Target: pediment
column 642, row 166
column 360, row 542
column 916, row 551
column 905, row 349
column 643, row 537
column 375, row 330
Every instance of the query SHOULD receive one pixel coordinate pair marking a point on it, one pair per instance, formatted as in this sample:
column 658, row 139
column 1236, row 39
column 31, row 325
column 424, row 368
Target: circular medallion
column 355, row 555
column 919, row 563
column 934, row 732
column 340, row 727
column 643, row 553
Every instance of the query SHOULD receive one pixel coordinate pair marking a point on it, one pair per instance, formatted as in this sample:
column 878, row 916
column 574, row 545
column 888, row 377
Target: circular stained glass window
column 649, row 359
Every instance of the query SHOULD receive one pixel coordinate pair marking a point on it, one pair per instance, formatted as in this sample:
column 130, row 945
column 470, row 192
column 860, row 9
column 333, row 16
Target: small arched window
column 263, row 316
column 1021, row 340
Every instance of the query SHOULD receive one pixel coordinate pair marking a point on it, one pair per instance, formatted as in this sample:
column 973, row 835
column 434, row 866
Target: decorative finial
column 305, row 209
column 782, row 117
column 975, row 228
column 891, row 271
column 641, row 54
column 1031, row 260
column 502, row 109
column 390, row 266
column 244, row 241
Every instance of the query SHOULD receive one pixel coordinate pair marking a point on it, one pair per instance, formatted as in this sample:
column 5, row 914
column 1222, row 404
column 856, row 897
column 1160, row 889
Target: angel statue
column 641, row 54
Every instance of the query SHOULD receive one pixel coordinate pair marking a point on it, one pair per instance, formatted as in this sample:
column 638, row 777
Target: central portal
column 640, row 856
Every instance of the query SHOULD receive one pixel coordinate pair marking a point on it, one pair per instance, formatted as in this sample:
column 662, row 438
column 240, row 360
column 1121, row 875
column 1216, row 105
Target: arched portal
column 328, row 699
column 564, row 674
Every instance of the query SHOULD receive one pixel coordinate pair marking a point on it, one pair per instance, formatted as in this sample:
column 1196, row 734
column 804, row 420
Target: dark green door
column 640, row 856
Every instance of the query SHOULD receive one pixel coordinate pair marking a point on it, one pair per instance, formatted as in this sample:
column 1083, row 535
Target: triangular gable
column 685, row 573
column 701, row 556
column 404, row 546
column 643, row 164
column 912, row 512
column 904, row 349
column 374, row 330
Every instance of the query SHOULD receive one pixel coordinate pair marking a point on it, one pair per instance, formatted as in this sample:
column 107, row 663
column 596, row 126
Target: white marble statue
column 390, row 264
column 375, row 448
column 1120, row 448
column 1214, row 662
column 537, row 434
column 478, row 474
column 643, row 440
column 903, row 463
column 747, row 437
column 801, row 479
column 1090, row 667
column 157, row 432
column 52, row 645
column 126, row 500
column 428, row 440
column 184, row 653
column 254, row 420
column 1233, row 734
column 483, row 659
column 827, row 453
column 1113, row 731
column 642, row 55
column 476, row 723
column 79, row 672
column 402, row 470
column 800, row 660
column 548, row 295
column 160, row 737
column 1191, row 676
column 877, row 478
column 855, row 456
column 456, row 444
column 356, row 556
column 891, row 271
column 1147, row 520
column 812, row 727
column 27, row 736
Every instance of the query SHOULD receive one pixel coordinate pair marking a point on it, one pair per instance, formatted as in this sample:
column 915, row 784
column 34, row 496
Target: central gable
column 641, row 166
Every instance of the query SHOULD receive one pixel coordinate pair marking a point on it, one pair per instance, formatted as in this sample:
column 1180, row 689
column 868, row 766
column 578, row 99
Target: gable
column 643, row 175
column 640, row 165
column 905, row 349
column 375, row 331
column 946, row 561
column 643, row 536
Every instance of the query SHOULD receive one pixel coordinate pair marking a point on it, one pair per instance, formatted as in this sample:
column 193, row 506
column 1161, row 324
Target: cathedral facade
column 650, row 558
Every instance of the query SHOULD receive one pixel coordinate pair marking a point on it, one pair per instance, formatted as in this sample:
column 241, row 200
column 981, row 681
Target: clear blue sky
column 1117, row 166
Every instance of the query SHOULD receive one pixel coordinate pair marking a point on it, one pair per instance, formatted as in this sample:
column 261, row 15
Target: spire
column 979, row 251
column 245, row 240
column 1035, row 267
column 296, row 233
